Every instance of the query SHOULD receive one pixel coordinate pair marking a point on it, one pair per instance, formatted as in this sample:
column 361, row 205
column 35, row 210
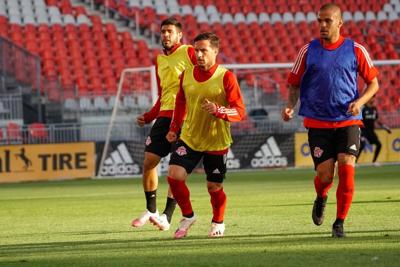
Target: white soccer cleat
column 160, row 221
column 184, row 226
column 143, row 218
column 217, row 230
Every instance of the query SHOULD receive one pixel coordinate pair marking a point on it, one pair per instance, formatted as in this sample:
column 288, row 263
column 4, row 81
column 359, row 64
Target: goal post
column 136, row 93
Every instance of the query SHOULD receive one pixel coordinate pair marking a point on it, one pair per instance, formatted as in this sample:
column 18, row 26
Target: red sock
column 321, row 188
column 218, row 202
column 344, row 192
column 182, row 195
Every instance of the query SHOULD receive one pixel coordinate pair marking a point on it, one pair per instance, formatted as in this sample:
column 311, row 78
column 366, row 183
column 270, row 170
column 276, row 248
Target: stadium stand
column 274, row 27
column 87, row 54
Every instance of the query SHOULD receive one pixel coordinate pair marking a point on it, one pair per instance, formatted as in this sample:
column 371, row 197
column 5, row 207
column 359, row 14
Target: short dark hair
column 212, row 37
column 172, row 21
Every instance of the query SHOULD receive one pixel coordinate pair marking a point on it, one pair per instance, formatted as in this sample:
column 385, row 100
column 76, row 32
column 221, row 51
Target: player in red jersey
column 324, row 77
column 169, row 66
column 209, row 99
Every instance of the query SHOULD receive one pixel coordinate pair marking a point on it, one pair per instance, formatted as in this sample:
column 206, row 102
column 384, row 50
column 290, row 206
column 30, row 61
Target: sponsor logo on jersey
column 269, row 155
column 120, row 163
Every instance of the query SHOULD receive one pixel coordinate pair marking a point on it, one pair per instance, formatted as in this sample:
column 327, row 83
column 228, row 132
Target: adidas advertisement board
column 269, row 155
column 122, row 159
column 261, row 151
column 232, row 162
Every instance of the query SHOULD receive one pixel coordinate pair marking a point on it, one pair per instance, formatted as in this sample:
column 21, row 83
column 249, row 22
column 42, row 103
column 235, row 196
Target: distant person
column 324, row 76
column 209, row 99
column 370, row 117
column 175, row 59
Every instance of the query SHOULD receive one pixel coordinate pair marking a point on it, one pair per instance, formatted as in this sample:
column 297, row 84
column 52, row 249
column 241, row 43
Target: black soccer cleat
column 338, row 231
column 318, row 211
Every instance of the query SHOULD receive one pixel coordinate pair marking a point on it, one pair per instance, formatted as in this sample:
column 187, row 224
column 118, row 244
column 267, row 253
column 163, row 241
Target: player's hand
column 354, row 108
column 387, row 129
column 208, row 106
column 287, row 114
column 140, row 120
column 171, row 136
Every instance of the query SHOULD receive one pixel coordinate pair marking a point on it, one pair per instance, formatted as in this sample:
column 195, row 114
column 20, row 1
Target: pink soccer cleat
column 184, row 226
column 161, row 222
column 143, row 218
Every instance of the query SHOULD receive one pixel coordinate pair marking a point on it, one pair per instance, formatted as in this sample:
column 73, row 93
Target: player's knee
column 177, row 172
column 150, row 163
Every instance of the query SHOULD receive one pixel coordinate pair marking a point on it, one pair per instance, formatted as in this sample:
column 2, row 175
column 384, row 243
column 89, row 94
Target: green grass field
column 268, row 223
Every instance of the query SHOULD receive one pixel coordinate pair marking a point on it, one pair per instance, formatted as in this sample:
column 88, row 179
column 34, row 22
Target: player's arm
column 179, row 113
column 152, row 114
column 294, row 79
column 384, row 126
column 369, row 92
column 294, row 94
column 235, row 111
column 369, row 74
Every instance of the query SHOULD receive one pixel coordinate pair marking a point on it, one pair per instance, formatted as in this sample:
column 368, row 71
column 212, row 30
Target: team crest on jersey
column 148, row 141
column 181, row 151
column 318, row 152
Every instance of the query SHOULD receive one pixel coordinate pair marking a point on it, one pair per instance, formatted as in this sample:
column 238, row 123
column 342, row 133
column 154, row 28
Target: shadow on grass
column 354, row 202
column 242, row 240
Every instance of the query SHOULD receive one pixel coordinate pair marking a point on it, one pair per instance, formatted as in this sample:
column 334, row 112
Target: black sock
column 338, row 222
column 151, row 198
column 169, row 208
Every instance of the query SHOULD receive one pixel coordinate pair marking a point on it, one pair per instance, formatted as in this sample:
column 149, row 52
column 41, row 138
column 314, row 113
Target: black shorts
column 157, row 142
column 328, row 143
column 214, row 165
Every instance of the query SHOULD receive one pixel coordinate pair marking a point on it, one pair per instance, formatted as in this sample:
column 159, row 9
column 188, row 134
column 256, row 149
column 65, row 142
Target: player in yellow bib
column 209, row 99
column 169, row 66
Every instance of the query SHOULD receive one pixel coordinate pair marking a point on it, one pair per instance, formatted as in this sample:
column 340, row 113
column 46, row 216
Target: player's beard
column 168, row 47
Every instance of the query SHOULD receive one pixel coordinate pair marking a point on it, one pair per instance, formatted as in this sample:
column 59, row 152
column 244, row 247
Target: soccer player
column 210, row 98
column 176, row 58
column 370, row 116
column 324, row 77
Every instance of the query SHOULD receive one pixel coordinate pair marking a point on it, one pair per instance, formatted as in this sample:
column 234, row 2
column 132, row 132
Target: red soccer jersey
column 365, row 68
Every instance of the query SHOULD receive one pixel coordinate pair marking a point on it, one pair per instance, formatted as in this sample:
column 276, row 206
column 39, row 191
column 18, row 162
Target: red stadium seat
column 38, row 131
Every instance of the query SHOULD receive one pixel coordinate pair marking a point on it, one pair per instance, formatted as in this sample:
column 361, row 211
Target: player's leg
column 323, row 155
column 348, row 144
column 183, row 161
column 373, row 139
column 164, row 220
column 363, row 142
column 150, row 184
column 156, row 147
column 215, row 168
